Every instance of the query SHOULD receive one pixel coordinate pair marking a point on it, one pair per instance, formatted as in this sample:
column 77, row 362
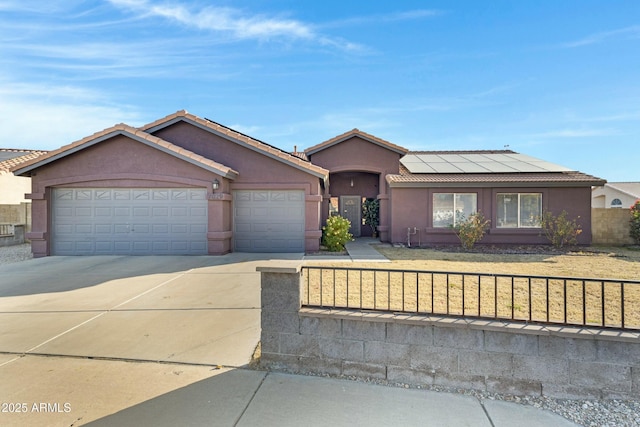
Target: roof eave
column 25, row 171
column 330, row 143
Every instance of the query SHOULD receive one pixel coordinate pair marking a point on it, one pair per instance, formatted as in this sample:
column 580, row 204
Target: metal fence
column 6, row 230
column 603, row 303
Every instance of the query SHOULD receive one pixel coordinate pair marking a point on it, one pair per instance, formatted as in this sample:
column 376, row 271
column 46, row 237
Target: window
column 616, row 203
column 519, row 210
column 448, row 208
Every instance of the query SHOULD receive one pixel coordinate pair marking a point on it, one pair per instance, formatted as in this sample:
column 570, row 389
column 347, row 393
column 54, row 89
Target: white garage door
column 268, row 221
column 129, row 221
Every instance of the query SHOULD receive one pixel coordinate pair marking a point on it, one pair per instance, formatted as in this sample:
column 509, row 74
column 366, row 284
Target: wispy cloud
column 235, row 23
column 626, row 33
column 383, row 18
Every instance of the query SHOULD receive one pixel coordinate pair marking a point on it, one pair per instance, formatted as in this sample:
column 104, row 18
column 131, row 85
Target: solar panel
column 469, row 167
column 487, row 162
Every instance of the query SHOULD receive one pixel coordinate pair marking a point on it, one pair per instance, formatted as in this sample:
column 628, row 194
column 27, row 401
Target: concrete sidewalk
column 357, row 250
column 249, row 398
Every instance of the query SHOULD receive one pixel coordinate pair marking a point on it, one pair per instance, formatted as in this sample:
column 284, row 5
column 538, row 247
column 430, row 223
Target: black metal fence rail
column 603, row 303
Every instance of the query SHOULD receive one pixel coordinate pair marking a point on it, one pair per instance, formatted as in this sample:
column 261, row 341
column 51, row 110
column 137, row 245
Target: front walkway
column 359, row 250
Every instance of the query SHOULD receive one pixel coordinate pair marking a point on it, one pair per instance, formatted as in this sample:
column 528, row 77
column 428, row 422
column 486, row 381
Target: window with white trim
column 519, row 210
column 449, row 208
column 616, row 203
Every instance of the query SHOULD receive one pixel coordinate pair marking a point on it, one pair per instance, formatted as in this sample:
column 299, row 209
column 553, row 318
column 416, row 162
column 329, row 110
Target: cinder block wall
column 494, row 356
column 16, row 239
column 16, row 214
column 610, row 227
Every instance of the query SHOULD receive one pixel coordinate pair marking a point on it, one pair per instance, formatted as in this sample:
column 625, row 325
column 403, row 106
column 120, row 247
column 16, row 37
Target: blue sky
column 558, row 80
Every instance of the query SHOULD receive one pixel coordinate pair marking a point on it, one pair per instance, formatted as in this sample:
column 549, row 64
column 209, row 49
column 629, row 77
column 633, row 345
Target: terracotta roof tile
column 544, row 178
column 349, row 134
column 238, row 136
column 125, row 129
column 21, row 157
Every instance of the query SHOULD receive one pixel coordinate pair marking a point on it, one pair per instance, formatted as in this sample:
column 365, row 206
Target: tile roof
column 355, row 132
column 239, row 137
column 14, row 157
column 528, row 179
column 135, row 133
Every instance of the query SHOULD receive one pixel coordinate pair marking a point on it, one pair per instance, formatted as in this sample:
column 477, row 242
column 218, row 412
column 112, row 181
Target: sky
column 557, row 80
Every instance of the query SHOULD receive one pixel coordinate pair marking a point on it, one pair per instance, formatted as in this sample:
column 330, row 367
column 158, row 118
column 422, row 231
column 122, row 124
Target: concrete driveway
column 70, row 326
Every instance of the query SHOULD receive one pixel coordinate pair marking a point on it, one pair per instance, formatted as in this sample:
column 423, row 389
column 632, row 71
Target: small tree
column 634, row 222
column 370, row 209
column 336, row 233
column 470, row 230
column 560, row 230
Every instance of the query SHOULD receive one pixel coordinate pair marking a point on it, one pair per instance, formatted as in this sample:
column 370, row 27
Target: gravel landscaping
column 16, row 253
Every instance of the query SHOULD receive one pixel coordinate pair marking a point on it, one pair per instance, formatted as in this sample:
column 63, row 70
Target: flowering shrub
column 336, row 233
column 634, row 222
column 471, row 230
column 560, row 230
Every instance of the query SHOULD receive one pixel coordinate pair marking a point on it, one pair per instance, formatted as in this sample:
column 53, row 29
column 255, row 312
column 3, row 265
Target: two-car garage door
column 136, row 221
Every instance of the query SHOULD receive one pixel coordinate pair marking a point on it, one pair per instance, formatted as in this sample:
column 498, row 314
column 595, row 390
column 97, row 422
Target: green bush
column 370, row 209
column 560, row 230
column 634, row 222
column 470, row 230
column 336, row 233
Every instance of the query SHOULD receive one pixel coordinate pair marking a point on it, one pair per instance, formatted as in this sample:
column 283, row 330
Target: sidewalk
column 357, row 250
column 248, row 398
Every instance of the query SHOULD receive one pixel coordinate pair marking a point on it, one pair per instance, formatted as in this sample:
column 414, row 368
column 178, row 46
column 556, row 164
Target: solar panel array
column 477, row 163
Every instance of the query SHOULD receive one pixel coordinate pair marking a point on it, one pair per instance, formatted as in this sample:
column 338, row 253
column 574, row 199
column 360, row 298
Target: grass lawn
column 417, row 293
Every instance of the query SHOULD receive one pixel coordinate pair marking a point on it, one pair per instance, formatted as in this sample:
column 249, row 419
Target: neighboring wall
column 16, row 214
column 13, row 188
column 16, row 238
column 499, row 357
column 610, row 226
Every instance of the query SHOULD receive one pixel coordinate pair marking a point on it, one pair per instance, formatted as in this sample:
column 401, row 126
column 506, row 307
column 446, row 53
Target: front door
column 350, row 208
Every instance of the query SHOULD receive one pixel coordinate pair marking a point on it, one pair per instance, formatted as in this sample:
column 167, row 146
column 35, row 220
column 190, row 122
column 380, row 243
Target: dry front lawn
column 543, row 300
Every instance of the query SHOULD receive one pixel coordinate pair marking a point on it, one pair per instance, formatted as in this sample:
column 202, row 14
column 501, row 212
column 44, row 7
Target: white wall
column 13, row 189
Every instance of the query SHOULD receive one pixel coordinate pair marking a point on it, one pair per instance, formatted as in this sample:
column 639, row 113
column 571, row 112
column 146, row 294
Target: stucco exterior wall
column 412, row 209
column 358, row 155
column 13, row 188
column 117, row 162
column 603, row 196
column 256, row 171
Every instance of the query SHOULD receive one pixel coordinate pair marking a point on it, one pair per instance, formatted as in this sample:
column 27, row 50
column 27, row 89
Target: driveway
column 70, row 326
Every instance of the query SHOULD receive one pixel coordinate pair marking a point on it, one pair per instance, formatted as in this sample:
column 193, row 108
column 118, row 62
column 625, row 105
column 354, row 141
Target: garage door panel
column 129, row 221
column 268, row 221
column 84, row 229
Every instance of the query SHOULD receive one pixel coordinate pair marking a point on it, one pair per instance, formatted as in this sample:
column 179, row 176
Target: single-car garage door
column 129, row 221
column 268, row 221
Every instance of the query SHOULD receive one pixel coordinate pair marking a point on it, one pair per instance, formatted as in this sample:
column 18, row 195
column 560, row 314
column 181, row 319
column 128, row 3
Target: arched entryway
column 348, row 191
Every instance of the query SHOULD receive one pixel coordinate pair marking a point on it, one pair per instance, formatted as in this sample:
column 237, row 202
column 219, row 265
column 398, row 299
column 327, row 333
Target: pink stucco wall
column 123, row 162
column 359, row 155
column 256, row 171
column 412, row 208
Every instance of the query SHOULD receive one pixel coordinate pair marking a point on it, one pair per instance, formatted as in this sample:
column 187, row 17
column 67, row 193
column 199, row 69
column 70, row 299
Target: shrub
column 560, row 230
column 336, row 233
column 470, row 230
column 370, row 209
column 634, row 222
